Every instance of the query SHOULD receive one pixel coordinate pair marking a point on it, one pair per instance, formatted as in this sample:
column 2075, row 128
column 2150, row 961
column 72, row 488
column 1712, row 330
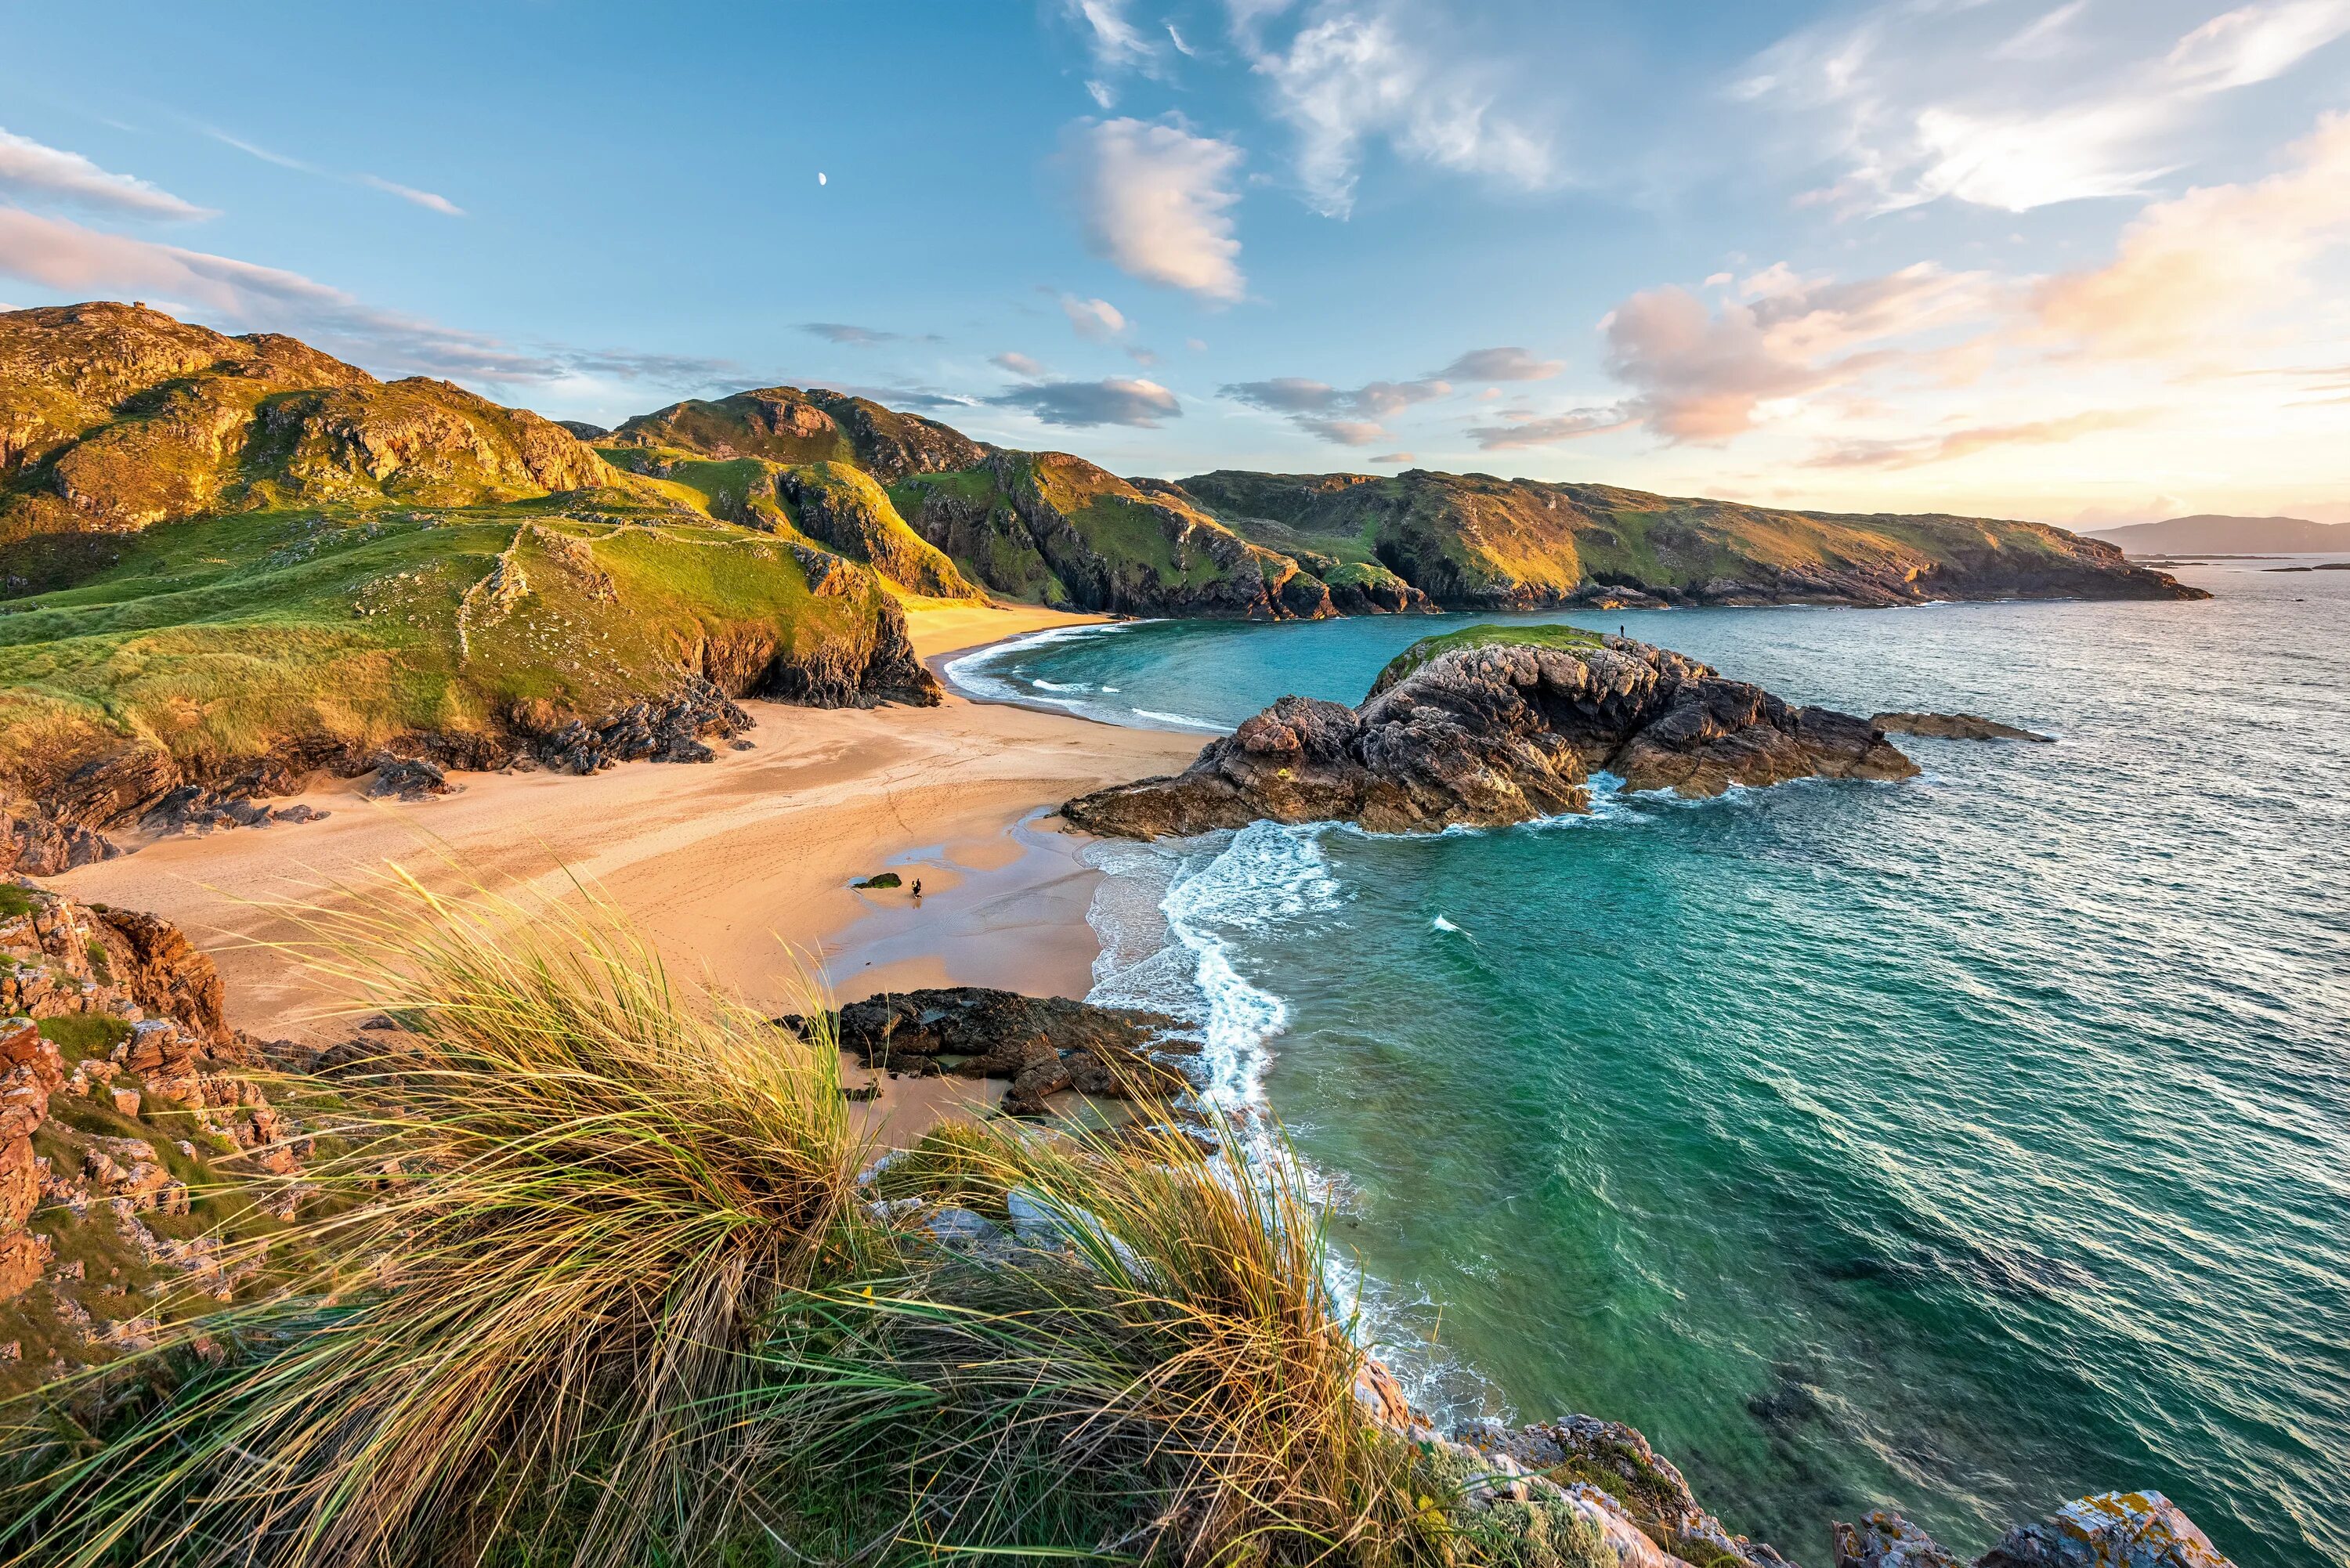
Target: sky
column 2080, row 261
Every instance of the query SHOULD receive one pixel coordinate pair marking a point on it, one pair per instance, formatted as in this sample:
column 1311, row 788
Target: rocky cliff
column 139, row 1139
column 1475, row 542
column 1491, row 726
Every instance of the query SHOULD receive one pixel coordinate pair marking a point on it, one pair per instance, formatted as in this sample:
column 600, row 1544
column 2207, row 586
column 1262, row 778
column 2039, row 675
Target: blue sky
column 2072, row 259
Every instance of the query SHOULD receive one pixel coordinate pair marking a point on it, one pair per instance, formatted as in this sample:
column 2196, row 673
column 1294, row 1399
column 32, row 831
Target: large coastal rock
column 2110, row 1529
column 1485, row 728
column 1042, row 1044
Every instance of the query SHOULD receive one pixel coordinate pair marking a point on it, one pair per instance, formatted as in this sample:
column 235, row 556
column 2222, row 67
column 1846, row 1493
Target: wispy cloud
column 1345, row 416
column 425, row 199
column 1352, row 71
column 1019, row 365
column 1138, row 404
column 2089, row 102
column 31, row 172
column 1954, row 444
column 1156, row 201
column 1095, row 320
column 1522, row 431
column 431, row 202
column 255, row 149
column 55, row 254
column 1501, row 365
column 844, row 333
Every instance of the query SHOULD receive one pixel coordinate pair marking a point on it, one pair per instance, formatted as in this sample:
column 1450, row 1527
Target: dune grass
column 603, row 1286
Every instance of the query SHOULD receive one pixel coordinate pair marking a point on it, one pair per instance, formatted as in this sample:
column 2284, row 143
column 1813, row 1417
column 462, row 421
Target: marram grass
column 599, row 1285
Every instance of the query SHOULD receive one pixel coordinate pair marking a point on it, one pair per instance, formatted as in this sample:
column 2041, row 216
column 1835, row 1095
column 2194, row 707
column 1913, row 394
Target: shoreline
column 738, row 870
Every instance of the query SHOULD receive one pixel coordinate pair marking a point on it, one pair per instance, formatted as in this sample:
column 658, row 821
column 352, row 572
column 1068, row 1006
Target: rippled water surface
column 1959, row 1145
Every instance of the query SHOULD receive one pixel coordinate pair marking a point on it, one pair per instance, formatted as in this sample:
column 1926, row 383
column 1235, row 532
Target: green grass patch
column 1564, row 638
column 79, row 1035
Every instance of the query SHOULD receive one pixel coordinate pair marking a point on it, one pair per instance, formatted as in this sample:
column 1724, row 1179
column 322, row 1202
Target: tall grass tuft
column 592, row 1193
column 1158, row 1372
column 603, row 1288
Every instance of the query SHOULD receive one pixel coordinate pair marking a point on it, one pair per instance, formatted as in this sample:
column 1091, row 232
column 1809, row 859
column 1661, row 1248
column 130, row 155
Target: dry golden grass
column 623, row 1301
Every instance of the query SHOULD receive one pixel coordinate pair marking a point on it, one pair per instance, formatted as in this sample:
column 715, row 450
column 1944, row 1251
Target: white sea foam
column 1184, row 721
column 1057, row 686
column 1441, row 924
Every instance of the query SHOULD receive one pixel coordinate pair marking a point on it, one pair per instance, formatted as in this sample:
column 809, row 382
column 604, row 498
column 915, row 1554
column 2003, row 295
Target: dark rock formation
column 1953, row 727
column 410, row 778
column 1493, row 733
column 1043, row 1045
column 33, row 846
column 582, row 430
column 1888, row 1540
column 164, row 972
column 2111, row 1530
column 1610, row 1469
column 668, row 731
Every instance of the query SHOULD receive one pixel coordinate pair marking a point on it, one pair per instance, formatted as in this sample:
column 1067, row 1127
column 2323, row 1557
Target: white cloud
column 1156, row 201
column 440, row 205
column 30, row 170
column 1018, row 364
column 2085, row 103
column 1352, row 71
column 2254, row 44
column 1095, row 320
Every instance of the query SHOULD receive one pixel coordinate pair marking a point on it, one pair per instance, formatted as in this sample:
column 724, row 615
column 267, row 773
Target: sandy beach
column 733, row 867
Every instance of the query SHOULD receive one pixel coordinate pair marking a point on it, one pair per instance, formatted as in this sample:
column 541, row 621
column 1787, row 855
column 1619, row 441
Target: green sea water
column 1959, row 1146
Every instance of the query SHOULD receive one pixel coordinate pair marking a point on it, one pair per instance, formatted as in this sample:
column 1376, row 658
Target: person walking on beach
column 917, row 887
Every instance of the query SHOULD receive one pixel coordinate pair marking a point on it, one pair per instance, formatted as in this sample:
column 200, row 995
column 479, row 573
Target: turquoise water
column 1959, row 1146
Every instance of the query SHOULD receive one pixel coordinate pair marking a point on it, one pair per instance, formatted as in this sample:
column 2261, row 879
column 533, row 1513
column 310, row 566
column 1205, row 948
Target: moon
column 819, row 179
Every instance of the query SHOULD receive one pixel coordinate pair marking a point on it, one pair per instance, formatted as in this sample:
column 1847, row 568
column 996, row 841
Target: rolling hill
column 227, row 561
column 2213, row 533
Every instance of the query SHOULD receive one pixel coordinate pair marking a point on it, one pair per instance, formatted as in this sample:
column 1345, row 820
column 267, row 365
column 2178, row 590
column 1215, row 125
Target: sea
column 1960, row 1146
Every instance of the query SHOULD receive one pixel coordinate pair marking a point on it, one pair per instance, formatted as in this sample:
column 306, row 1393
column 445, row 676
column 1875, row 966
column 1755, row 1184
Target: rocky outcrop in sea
column 1040, row 1044
column 1494, row 731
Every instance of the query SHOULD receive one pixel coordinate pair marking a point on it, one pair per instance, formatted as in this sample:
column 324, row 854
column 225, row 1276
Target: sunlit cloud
column 31, row 171
column 1156, row 201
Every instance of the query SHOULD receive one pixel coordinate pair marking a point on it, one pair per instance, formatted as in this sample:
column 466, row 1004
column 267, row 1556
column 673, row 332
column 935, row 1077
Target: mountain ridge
column 2206, row 533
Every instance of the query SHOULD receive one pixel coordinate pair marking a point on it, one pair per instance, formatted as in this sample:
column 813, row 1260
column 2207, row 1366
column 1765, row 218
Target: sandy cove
column 732, row 866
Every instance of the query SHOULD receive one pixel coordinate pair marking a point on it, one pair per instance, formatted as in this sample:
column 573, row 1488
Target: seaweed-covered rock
column 2110, row 1529
column 1041, row 1044
column 1888, row 1540
column 1498, row 729
column 1953, row 727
